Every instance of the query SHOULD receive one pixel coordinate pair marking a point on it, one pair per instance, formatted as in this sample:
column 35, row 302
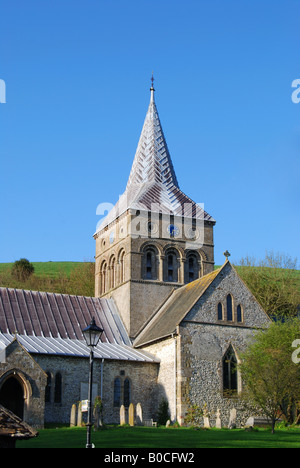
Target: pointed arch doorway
column 12, row 396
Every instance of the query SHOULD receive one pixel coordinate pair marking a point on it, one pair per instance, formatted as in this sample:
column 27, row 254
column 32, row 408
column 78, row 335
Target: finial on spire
column 152, row 81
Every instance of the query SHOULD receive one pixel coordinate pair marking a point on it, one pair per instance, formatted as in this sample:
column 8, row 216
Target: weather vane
column 152, row 81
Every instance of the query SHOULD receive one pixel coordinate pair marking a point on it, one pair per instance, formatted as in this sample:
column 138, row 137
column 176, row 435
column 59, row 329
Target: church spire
column 152, row 161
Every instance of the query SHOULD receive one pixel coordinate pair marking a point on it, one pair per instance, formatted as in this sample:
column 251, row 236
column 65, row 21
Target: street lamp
column 92, row 335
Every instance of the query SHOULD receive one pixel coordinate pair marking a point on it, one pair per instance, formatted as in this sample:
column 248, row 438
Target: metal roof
column 49, row 323
column 152, row 183
column 75, row 348
column 43, row 314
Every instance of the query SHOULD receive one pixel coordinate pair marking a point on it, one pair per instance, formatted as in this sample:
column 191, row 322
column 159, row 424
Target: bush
column 22, row 269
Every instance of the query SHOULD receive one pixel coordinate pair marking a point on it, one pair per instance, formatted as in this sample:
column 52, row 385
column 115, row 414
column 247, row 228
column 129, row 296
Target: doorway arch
column 12, row 396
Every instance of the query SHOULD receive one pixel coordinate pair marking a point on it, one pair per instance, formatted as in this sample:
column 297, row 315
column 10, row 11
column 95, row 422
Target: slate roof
column 49, row 323
column 174, row 310
column 152, row 181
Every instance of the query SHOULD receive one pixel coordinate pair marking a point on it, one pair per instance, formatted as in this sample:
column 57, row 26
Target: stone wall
column 16, row 363
column 205, row 340
column 75, row 372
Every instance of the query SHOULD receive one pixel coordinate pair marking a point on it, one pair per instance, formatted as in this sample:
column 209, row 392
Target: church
column 174, row 327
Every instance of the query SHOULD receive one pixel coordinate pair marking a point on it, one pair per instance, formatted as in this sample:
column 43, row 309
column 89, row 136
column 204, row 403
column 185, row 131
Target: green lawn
column 141, row 437
column 49, row 269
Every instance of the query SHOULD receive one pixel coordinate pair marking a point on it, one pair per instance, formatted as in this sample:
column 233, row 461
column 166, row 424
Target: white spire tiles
column 152, row 162
column 152, row 181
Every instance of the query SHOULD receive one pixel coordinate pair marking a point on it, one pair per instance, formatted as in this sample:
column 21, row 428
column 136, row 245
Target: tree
column 22, row 269
column 274, row 281
column 271, row 378
column 82, row 280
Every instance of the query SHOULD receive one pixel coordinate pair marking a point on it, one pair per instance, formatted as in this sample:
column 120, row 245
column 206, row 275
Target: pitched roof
column 152, row 183
column 174, row 310
column 49, row 323
column 44, row 314
column 152, row 161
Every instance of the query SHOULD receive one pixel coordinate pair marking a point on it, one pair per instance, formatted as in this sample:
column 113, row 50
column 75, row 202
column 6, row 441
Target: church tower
column 155, row 238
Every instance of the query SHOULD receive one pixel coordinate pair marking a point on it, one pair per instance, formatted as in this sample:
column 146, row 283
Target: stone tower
column 156, row 238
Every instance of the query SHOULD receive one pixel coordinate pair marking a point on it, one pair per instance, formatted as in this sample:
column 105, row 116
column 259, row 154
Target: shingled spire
column 152, row 181
column 152, row 161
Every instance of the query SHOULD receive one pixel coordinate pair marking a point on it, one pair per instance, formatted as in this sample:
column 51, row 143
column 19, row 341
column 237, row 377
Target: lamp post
column 92, row 335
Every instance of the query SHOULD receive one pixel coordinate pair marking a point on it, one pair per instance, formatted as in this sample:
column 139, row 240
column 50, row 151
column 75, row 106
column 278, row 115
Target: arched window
column 112, row 272
column 149, row 266
column 191, row 268
column 220, row 311
column 149, row 263
column 229, row 308
column 48, row 388
column 58, row 388
column 239, row 315
column 171, row 266
column 103, row 275
column 117, row 392
column 121, row 267
column 127, row 393
column 230, row 380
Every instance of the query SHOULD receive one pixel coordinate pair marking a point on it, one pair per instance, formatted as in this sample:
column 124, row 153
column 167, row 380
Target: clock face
column 173, row 230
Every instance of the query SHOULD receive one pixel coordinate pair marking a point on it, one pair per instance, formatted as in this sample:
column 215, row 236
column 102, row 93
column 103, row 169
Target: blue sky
column 77, row 77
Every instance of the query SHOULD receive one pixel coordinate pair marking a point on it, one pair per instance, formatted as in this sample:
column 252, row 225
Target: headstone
column 232, row 419
column 122, row 416
column 168, row 424
column 131, row 414
column 79, row 416
column 206, row 422
column 218, row 420
column 139, row 414
column 73, row 416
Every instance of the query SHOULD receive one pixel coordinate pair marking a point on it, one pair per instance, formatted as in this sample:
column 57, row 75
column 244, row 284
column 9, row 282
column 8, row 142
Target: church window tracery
column 229, row 308
column 117, row 392
column 239, row 314
column 220, row 311
column 230, row 376
column 127, row 393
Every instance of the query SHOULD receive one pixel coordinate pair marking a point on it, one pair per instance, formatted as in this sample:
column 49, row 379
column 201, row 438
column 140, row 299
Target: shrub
column 22, row 269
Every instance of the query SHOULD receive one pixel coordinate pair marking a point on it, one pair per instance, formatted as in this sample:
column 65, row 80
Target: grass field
column 171, row 438
column 49, row 269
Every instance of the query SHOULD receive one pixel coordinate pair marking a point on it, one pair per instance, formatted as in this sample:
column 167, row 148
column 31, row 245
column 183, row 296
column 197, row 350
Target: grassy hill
column 50, row 269
column 58, row 277
column 277, row 289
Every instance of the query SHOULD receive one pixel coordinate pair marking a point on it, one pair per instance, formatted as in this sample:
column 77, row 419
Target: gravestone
column 79, row 417
column 139, row 414
column 131, row 414
column 122, row 415
column 232, row 419
column 73, row 416
column 206, row 422
column 218, row 420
